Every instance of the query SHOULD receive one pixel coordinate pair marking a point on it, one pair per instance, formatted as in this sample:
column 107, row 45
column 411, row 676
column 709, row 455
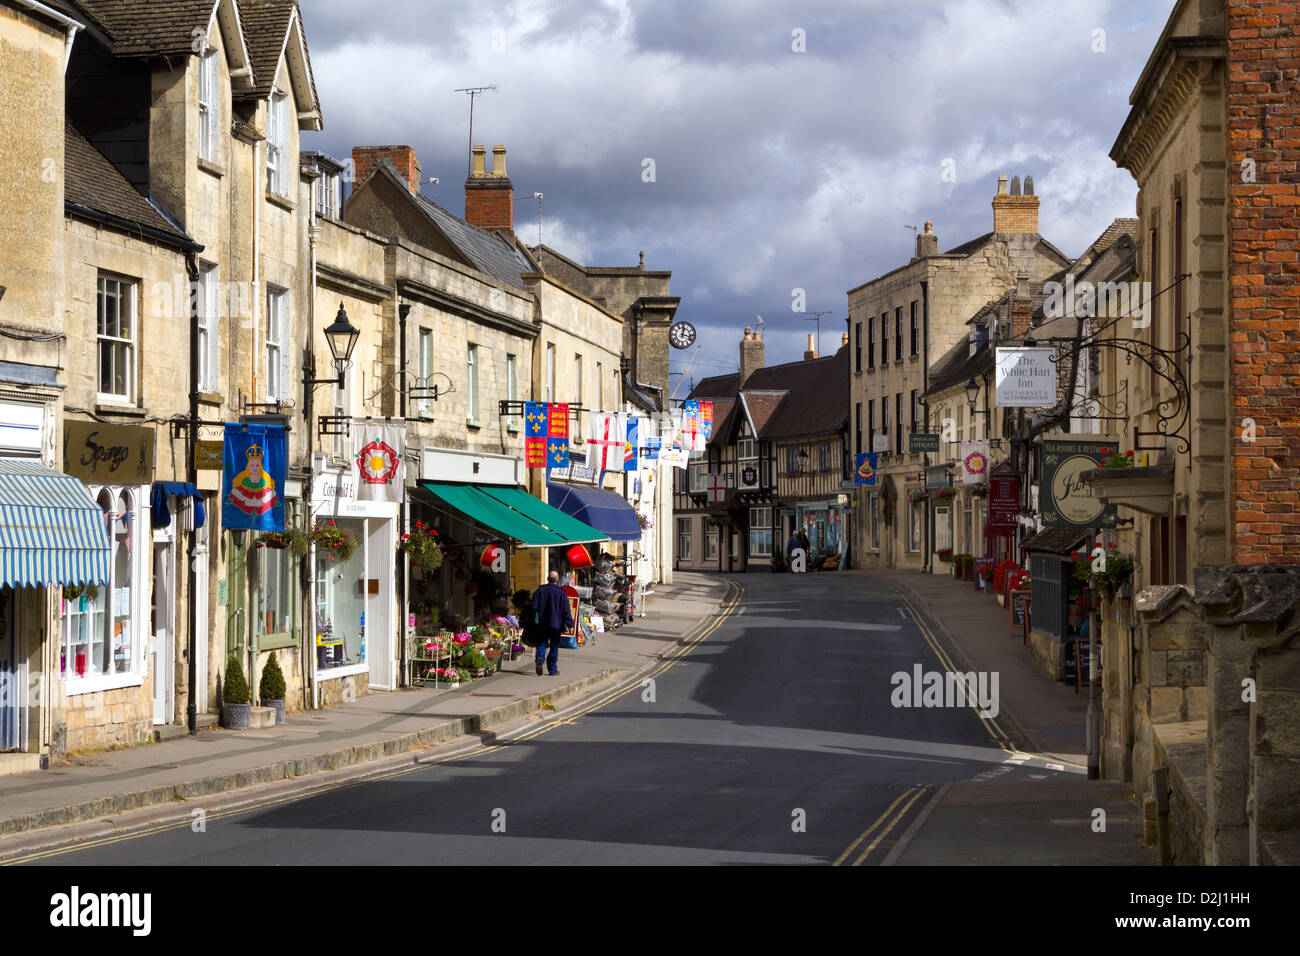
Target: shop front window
column 760, row 532
column 711, row 544
column 340, row 601
column 915, row 525
column 684, row 539
column 98, row 639
column 277, row 592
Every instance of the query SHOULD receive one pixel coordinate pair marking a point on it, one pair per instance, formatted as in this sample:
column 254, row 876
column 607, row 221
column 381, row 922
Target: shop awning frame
column 514, row 513
column 51, row 529
column 603, row 510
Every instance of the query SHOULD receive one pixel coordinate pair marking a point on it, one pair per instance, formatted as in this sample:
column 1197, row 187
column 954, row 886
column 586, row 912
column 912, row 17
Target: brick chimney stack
column 1022, row 308
column 401, row 159
column 751, row 354
column 1014, row 212
column 489, row 196
column 927, row 243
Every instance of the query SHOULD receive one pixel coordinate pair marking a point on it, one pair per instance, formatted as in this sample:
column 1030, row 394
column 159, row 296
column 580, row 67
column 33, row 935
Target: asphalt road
column 771, row 740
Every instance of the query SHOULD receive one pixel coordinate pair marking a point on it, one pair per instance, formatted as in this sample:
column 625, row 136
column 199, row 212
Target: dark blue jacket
column 553, row 604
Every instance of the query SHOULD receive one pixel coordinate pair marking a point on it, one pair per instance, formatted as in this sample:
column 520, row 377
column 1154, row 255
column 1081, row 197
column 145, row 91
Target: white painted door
column 380, row 562
column 10, row 676
column 162, row 645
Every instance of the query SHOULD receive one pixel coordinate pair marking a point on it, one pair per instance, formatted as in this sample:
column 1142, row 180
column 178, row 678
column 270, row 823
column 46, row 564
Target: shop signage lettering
column 923, row 442
column 1026, row 377
column 94, row 451
column 1065, row 501
column 1004, row 501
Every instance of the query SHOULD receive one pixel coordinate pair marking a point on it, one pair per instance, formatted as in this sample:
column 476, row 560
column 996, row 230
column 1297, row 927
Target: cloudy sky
column 773, row 169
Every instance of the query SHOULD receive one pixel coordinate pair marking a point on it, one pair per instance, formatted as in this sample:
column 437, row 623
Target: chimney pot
column 1029, row 185
column 498, row 162
column 489, row 197
column 844, row 339
column 478, row 169
column 1015, row 185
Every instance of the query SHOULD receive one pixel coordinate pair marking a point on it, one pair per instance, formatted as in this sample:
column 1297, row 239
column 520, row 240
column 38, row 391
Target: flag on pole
column 557, row 419
column 535, row 420
column 630, row 445
column 606, row 442
column 706, row 420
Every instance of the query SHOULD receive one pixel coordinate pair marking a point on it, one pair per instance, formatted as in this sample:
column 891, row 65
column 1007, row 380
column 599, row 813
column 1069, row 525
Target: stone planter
column 235, row 716
column 278, row 707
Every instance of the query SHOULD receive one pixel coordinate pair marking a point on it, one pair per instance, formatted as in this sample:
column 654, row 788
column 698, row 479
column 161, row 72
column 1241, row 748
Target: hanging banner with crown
column 381, row 451
column 255, row 467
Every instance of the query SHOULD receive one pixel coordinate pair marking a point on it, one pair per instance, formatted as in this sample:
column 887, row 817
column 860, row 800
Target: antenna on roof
column 473, row 91
column 817, row 316
column 761, row 323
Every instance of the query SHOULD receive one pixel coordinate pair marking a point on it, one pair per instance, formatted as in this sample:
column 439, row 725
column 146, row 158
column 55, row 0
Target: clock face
column 681, row 335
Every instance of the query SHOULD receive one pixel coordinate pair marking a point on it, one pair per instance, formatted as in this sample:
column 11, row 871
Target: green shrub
column 473, row 658
column 235, row 688
column 271, row 686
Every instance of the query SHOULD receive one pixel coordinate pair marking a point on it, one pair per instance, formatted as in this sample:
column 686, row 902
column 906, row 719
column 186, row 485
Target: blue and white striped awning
column 51, row 530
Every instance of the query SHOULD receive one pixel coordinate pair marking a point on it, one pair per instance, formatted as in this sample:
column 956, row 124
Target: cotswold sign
column 1026, row 378
column 1063, row 501
column 114, row 454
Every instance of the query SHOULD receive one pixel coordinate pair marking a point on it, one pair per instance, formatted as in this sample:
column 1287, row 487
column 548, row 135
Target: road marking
column 631, row 684
column 892, row 823
column 879, row 820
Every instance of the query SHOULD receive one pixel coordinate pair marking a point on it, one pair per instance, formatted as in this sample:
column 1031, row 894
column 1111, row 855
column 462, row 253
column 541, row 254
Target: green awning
column 470, row 500
column 545, row 515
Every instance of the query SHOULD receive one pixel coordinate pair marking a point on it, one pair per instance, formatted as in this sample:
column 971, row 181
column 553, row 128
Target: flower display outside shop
column 291, row 540
column 1113, row 459
column 333, row 541
column 946, row 493
column 917, row 494
column 422, row 546
column 1117, row 571
column 1008, row 576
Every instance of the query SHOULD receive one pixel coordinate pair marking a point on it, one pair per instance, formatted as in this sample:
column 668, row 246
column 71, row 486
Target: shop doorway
column 11, row 710
column 162, row 645
column 236, row 595
column 378, row 618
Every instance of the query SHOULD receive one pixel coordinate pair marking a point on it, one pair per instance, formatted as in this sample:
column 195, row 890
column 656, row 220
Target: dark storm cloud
column 774, row 170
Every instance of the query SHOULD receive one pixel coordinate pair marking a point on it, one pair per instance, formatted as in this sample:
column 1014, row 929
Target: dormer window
column 277, row 144
column 210, row 105
column 329, row 193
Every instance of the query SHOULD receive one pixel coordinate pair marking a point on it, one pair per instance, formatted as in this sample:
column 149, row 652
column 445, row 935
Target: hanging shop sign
column 122, row 454
column 1026, row 377
column 1004, row 502
column 255, row 472
column 937, row 477
column 923, row 442
column 1064, row 501
column 880, row 443
column 974, row 461
column 380, row 460
column 866, row 469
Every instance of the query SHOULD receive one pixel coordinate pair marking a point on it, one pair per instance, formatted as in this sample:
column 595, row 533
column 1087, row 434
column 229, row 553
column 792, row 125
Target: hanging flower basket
column 946, row 493
column 917, row 494
column 333, row 541
column 72, row 592
column 292, row 540
column 421, row 544
column 979, row 491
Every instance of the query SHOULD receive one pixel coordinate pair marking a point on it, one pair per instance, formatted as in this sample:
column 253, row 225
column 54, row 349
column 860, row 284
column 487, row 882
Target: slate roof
column 93, row 182
column 143, row 28
column 266, row 26
column 762, row 407
column 817, row 398
column 1055, row 540
column 485, row 251
column 717, row 386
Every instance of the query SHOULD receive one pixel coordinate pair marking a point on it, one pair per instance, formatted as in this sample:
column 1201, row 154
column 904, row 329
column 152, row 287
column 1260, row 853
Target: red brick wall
column 366, row 159
column 1263, row 106
column 490, row 206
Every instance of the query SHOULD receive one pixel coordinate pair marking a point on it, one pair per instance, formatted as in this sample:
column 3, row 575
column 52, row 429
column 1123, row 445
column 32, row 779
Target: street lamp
column 803, row 461
column 342, row 337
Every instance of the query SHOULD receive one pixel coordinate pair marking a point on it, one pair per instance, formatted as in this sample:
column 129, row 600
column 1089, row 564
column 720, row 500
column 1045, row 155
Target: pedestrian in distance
column 550, row 609
column 803, row 540
column 792, row 543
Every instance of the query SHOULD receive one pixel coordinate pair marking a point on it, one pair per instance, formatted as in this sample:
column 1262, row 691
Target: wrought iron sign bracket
column 329, row 425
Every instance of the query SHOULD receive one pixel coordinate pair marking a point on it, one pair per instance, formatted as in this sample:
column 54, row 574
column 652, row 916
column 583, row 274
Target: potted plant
column 448, row 675
column 236, row 705
column 333, row 541
column 474, row 661
column 421, row 544
column 292, row 540
column 72, row 592
column 778, row 563
column 945, row 554
column 270, row 689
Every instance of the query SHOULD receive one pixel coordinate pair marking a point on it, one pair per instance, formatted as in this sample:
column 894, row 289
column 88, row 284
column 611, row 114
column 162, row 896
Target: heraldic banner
column 255, row 467
column 381, row 461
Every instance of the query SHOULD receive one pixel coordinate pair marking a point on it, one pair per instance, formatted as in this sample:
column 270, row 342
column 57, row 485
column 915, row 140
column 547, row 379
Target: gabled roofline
column 232, row 24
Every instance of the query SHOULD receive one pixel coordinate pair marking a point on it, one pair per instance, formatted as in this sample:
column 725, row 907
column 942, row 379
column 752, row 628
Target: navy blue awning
column 159, row 511
column 603, row 510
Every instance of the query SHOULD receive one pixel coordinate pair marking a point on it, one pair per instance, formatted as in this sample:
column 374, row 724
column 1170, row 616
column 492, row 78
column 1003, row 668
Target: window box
column 1149, row 490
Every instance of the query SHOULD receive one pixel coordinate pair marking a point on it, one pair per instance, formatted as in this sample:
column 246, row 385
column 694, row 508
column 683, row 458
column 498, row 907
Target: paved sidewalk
column 1048, row 714
column 377, row 726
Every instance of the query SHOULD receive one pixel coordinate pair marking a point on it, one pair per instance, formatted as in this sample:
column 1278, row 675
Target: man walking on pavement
column 551, row 605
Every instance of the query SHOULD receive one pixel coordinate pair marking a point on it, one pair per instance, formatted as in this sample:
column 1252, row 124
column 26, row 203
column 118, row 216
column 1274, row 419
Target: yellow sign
column 207, row 455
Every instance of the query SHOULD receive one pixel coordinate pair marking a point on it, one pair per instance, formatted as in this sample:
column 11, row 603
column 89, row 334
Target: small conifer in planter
column 271, row 688
column 235, row 706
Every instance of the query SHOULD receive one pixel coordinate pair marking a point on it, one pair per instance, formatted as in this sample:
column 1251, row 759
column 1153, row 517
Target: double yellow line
column 892, row 816
column 991, row 725
column 694, row 637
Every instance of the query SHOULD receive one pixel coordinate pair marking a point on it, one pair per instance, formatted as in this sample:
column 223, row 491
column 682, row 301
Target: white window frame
column 697, row 475
column 711, row 542
column 277, row 316
column 549, row 383
column 210, row 105
column 277, row 143
column 685, row 542
column 915, row 526
column 600, row 384
column 128, row 298
column 327, row 193
column 577, row 378
column 424, row 379
column 512, row 388
column 133, row 674
column 209, row 323
column 746, row 450
column 471, row 384
column 760, row 523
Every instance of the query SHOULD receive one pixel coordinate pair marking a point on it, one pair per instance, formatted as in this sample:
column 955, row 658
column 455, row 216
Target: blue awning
column 51, row 530
column 603, row 510
column 161, row 514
